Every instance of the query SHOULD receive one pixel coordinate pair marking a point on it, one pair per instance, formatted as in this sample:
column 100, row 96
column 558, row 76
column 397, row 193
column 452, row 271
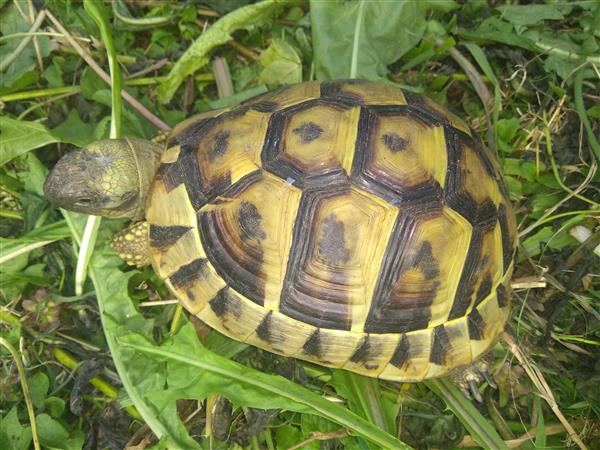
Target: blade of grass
column 579, row 106
column 481, row 430
column 11, row 248
column 299, row 397
column 356, row 40
column 25, row 387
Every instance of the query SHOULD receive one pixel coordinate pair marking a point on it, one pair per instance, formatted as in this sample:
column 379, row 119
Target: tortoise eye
column 84, row 202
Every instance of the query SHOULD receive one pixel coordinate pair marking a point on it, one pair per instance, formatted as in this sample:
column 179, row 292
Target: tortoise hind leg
column 131, row 244
column 468, row 378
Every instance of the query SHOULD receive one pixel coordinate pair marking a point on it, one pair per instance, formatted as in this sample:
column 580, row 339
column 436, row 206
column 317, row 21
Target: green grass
column 87, row 361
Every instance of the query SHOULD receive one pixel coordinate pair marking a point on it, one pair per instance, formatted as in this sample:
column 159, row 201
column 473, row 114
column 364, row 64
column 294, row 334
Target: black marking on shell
column 487, row 215
column 226, row 303
column 264, row 106
column 332, row 243
column 476, row 325
column 507, row 244
column 394, row 142
column 219, row 302
column 219, row 145
column 190, row 295
column 426, row 262
column 334, row 90
column 263, row 330
column 417, row 102
column 312, row 346
column 308, row 132
column 440, row 345
column 362, row 352
column 189, row 274
column 464, row 292
column 485, row 289
column 164, row 237
column 501, row 296
column 184, row 171
column 250, row 221
column 402, row 352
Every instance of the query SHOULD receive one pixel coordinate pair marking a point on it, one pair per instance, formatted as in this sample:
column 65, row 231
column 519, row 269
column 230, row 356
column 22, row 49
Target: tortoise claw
column 488, row 377
column 474, row 390
column 469, row 378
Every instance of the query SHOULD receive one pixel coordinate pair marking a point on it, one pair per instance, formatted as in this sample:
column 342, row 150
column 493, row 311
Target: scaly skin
column 131, row 244
column 109, row 178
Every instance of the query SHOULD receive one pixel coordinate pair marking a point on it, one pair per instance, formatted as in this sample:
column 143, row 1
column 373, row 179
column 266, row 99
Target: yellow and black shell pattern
column 347, row 223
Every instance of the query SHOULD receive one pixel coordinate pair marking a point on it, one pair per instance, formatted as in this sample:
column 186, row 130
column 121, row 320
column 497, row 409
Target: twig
column 102, row 74
column 480, row 87
column 157, row 65
column 220, row 69
column 36, row 43
column 10, row 58
column 158, row 303
column 25, row 387
column 319, row 436
column 545, row 392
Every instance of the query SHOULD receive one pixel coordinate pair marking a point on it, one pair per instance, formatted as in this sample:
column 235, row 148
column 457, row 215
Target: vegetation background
column 95, row 355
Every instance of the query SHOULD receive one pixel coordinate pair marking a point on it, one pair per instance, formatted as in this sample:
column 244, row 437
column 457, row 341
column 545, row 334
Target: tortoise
column 348, row 223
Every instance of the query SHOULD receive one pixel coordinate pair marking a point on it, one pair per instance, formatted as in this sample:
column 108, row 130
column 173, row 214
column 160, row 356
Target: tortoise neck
column 146, row 155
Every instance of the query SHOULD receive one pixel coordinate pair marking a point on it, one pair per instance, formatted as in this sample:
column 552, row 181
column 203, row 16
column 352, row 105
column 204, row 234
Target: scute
column 348, row 223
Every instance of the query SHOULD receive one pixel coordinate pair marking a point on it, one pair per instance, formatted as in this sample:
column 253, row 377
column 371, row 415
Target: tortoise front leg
column 468, row 378
column 131, row 244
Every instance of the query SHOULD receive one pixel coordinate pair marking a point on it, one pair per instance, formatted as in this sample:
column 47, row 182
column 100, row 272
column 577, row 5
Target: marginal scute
column 412, row 360
column 372, row 354
column 195, row 284
column 437, row 110
column 363, row 92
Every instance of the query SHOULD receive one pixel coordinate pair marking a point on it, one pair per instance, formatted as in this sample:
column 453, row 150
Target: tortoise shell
column 347, row 223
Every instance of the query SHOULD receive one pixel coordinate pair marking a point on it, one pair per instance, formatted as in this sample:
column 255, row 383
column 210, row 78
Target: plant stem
column 25, row 387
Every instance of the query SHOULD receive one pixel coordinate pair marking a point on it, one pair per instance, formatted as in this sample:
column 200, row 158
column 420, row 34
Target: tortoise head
column 110, row 178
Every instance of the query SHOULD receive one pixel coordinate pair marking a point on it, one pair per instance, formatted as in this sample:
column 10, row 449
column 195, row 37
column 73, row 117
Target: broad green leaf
column 38, row 388
column 74, row 131
column 54, row 436
column 13, row 435
column 366, row 35
column 532, row 14
column 196, row 372
column 18, row 137
column 282, row 64
column 197, row 55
